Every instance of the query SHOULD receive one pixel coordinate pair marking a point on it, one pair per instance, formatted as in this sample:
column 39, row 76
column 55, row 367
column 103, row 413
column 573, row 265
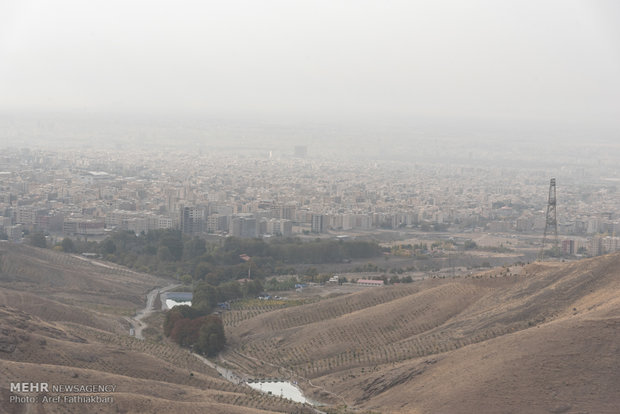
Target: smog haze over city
column 388, row 71
column 310, row 206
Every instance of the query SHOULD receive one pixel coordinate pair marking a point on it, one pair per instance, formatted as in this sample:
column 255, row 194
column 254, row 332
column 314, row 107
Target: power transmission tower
column 551, row 222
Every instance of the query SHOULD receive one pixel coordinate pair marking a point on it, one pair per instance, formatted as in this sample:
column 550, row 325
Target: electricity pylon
column 551, row 222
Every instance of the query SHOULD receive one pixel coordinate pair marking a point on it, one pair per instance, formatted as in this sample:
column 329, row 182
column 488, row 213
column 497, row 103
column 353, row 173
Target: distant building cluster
column 86, row 194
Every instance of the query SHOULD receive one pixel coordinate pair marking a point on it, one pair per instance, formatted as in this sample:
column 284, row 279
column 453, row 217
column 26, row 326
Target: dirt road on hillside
column 136, row 321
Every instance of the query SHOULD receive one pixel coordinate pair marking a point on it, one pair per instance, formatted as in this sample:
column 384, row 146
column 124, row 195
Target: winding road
column 138, row 326
column 136, row 322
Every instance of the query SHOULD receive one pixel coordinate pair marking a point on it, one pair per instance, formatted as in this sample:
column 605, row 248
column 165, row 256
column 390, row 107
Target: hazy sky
column 483, row 60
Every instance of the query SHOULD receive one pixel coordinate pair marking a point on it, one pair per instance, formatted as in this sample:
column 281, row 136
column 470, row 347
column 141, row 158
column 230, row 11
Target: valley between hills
column 537, row 338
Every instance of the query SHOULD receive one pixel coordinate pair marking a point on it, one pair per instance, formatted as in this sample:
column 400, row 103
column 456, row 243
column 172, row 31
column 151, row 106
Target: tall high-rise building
column 286, row 228
column 216, row 223
column 249, row 228
column 192, row 220
column 288, row 211
column 244, row 226
column 318, row 223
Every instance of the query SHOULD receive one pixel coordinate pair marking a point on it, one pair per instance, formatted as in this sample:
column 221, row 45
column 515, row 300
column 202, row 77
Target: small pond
column 170, row 303
column 172, row 299
column 280, row 389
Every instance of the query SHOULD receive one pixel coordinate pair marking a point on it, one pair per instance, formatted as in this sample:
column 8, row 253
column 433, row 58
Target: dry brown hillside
column 543, row 339
column 62, row 321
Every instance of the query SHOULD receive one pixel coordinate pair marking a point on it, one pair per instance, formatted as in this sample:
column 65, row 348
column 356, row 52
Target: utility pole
column 247, row 259
column 551, row 222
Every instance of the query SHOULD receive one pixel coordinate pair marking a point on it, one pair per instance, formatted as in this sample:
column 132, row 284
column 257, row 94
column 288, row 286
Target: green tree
column 172, row 316
column 186, row 331
column 230, row 290
column 178, row 313
column 194, row 248
column 186, row 279
column 173, row 241
column 108, row 246
column 211, row 338
column 205, row 297
column 67, row 245
column 252, row 288
column 163, row 253
column 469, row 245
column 37, row 239
column 202, row 270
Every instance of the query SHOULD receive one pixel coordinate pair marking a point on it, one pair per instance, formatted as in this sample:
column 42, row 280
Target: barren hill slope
column 72, row 279
column 62, row 322
column 570, row 365
column 495, row 343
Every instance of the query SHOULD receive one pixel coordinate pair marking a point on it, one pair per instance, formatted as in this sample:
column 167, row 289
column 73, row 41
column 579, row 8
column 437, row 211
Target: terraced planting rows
column 70, row 261
column 333, row 307
column 45, row 257
column 54, row 311
column 420, row 323
column 346, row 337
column 27, row 262
column 425, row 345
column 111, row 359
column 180, row 358
column 250, row 308
column 168, row 352
column 235, row 317
column 391, row 325
column 17, row 269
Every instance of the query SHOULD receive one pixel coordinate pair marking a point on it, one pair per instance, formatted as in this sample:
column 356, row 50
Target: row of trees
column 168, row 252
column 206, row 296
column 295, row 251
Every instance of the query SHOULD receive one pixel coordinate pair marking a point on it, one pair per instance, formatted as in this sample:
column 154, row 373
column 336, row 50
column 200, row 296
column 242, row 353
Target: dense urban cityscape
column 87, row 193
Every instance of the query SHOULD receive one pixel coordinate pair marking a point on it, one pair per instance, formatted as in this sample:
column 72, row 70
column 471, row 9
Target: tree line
column 170, row 253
